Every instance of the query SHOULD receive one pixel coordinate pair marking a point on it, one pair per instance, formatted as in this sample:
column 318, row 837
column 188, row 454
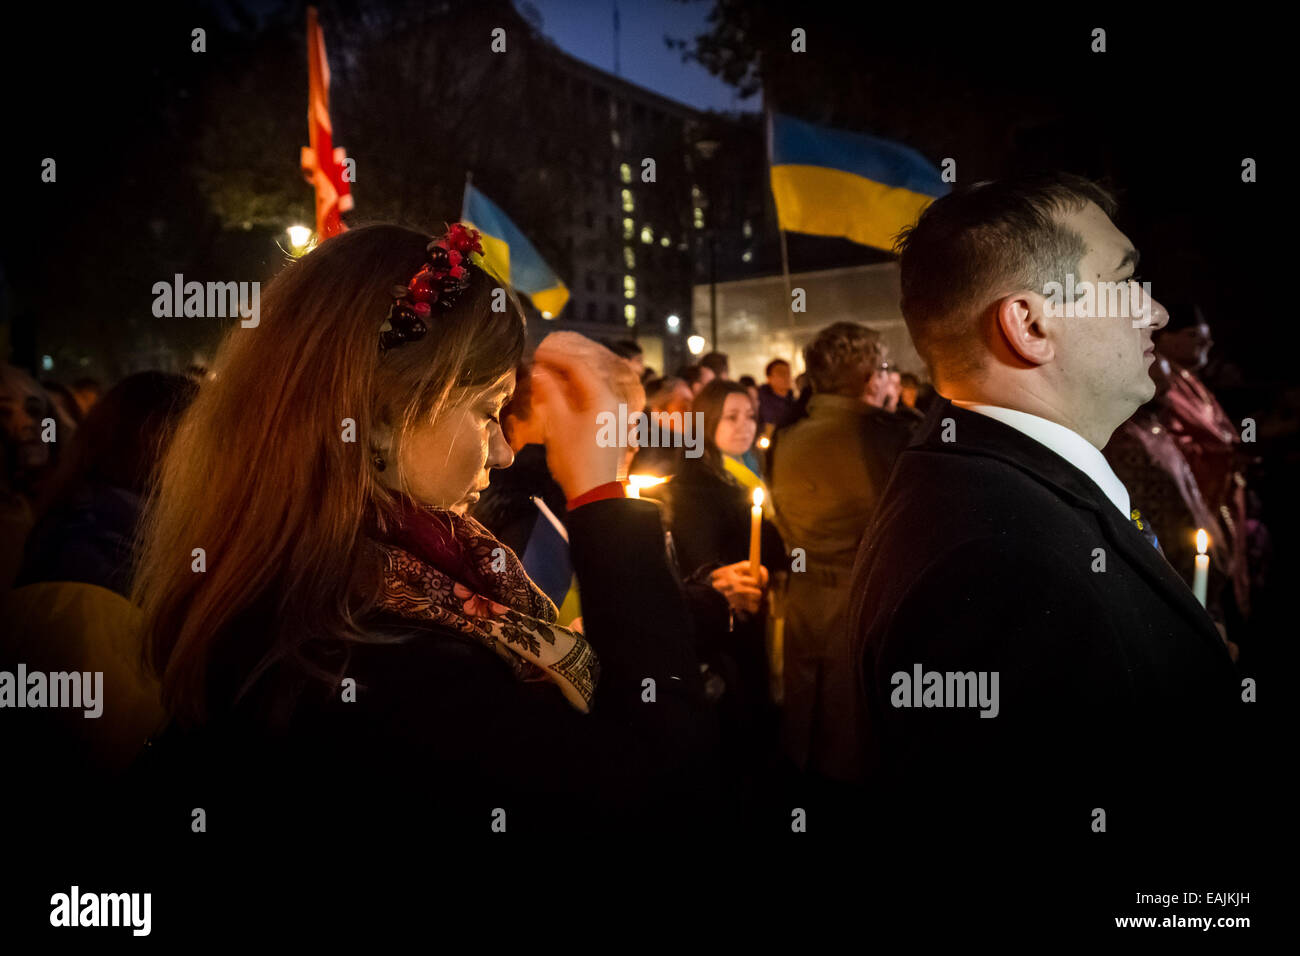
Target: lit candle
column 1202, row 566
column 755, row 531
column 636, row 482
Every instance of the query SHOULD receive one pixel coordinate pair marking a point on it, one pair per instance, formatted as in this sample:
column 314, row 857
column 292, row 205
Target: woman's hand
column 744, row 593
column 575, row 381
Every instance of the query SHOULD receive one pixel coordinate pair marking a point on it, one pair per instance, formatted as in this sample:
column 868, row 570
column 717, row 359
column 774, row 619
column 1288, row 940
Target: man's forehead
column 1107, row 246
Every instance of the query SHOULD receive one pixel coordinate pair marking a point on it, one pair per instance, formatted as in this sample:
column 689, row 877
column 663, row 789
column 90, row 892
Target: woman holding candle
column 709, row 509
column 333, row 631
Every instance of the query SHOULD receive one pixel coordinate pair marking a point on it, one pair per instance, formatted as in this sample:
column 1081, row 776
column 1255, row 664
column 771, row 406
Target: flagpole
column 785, row 252
column 464, row 201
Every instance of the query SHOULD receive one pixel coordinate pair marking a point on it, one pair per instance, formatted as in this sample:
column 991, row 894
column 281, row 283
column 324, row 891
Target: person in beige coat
column 827, row 471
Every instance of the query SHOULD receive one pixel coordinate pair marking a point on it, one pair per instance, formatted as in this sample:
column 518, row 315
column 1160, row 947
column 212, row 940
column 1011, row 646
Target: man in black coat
column 1030, row 663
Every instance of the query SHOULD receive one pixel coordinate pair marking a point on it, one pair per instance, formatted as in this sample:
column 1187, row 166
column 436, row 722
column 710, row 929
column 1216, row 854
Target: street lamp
column 299, row 237
column 696, row 344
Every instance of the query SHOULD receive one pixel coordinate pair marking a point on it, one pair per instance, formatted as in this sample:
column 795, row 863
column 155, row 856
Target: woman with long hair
column 323, row 613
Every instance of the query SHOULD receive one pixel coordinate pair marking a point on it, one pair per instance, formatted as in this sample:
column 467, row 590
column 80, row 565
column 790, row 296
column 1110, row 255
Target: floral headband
column 439, row 282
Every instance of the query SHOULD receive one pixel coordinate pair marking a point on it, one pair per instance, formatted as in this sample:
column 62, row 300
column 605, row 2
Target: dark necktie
column 1144, row 528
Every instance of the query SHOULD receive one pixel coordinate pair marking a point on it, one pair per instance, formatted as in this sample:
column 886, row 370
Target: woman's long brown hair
column 710, row 402
column 260, row 476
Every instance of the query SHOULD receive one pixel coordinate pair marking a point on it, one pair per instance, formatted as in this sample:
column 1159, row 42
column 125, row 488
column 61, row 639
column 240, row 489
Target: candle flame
column 1202, row 540
column 758, row 497
column 643, row 481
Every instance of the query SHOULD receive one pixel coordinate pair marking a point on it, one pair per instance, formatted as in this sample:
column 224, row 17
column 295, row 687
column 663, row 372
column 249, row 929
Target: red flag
column 322, row 161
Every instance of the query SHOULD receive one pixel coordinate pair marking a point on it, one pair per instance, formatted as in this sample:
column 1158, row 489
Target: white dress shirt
column 1070, row 445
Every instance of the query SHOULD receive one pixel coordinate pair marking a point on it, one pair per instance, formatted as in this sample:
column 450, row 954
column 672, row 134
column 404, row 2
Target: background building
column 756, row 323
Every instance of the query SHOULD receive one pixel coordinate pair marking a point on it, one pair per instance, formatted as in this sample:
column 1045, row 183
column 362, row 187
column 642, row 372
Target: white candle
column 755, row 531
column 1202, row 576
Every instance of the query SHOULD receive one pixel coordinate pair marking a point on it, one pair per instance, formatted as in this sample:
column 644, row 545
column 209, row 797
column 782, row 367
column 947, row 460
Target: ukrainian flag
column 511, row 256
column 831, row 182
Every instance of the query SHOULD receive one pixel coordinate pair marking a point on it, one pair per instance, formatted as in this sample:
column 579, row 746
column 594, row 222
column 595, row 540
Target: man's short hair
column 717, row 363
column 842, row 357
column 981, row 241
column 767, row 369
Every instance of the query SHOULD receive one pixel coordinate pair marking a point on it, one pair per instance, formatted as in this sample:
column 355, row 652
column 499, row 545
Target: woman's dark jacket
column 442, row 736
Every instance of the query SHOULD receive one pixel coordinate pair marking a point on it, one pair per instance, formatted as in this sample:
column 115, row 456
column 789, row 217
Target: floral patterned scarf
column 448, row 569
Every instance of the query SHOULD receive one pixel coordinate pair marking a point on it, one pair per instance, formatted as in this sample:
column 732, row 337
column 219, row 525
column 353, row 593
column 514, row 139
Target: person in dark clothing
column 359, row 654
column 777, row 405
column 87, row 522
column 1024, row 648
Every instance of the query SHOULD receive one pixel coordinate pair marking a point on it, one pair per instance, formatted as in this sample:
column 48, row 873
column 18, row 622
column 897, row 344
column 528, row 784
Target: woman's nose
column 500, row 454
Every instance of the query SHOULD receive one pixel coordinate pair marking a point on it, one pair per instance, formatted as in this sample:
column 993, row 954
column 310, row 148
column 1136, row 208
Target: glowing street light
column 696, row 344
column 674, row 323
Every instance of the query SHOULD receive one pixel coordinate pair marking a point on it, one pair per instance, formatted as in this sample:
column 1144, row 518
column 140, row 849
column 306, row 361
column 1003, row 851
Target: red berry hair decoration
column 437, row 284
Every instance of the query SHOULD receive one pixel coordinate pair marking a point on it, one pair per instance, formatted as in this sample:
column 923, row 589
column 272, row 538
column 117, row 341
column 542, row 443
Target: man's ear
column 1025, row 328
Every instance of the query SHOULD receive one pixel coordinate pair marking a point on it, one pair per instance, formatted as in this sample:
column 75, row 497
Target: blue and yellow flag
column 546, row 559
column 831, row 182
column 512, row 256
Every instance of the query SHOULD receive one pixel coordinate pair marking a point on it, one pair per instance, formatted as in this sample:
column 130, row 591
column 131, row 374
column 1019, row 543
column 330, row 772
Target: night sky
column 585, row 29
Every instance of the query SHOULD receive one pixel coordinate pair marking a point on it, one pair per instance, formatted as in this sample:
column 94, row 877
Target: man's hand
column 574, row 381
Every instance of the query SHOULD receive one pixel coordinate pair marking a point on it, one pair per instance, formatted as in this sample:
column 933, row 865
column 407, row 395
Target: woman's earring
column 379, row 462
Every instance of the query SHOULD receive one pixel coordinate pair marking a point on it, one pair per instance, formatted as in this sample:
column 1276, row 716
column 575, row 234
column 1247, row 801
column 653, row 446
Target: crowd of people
column 380, row 536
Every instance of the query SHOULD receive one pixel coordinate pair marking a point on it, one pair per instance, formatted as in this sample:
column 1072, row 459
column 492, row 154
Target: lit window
column 625, row 172
column 629, row 313
column 647, row 235
column 629, row 287
column 627, row 228
column 663, row 241
column 746, row 256
column 614, row 138
column 629, row 257
column 747, row 229
column 699, row 218
column 628, row 205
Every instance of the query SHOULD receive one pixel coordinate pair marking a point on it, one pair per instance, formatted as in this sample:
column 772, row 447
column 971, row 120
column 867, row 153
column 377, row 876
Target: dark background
column 164, row 155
